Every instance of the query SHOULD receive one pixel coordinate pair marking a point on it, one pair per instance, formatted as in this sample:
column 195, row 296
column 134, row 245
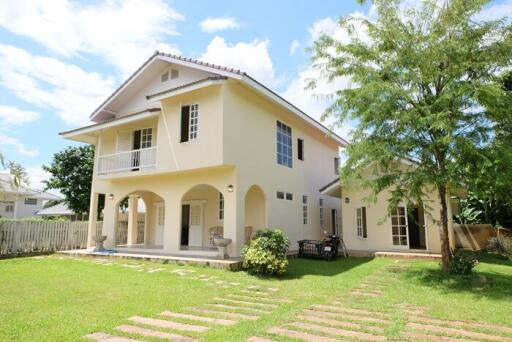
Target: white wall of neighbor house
column 379, row 223
column 17, row 206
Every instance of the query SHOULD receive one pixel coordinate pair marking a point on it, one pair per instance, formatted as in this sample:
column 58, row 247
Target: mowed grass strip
column 52, row 299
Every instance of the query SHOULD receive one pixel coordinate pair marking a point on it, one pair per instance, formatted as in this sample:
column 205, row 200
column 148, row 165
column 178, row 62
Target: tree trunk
column 446, row 253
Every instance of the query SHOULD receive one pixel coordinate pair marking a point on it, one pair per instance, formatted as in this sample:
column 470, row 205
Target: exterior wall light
column 111, row 197
column 230, row 188
column 347, row 200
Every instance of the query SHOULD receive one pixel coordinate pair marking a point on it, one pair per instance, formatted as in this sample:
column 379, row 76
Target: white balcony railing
column 136, row 160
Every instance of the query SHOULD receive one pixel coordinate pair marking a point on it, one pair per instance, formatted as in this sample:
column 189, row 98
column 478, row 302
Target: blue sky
column 60, row 59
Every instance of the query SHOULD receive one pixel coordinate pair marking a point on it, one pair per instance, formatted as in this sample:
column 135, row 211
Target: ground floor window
column 305, row 209
column 399, row 227
column 362, row 231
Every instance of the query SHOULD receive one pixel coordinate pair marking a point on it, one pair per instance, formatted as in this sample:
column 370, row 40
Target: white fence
column 23, row 237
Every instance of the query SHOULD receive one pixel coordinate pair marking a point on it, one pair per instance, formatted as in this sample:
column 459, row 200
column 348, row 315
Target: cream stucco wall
column 379, row 223
column 250, row 144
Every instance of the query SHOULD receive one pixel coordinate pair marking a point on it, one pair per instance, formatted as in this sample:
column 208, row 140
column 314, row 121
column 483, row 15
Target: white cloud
column 496, row 11
column 252, row 58
column 10, row 116
column 18, row 146
column 49, row 83
column 123, row 33
column 294, row 47
column 316, row 105
column 212, row 25
column 36, row 177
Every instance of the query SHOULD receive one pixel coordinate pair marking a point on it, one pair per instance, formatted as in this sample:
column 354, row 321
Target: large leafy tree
column 425, row 89
column 71, row 173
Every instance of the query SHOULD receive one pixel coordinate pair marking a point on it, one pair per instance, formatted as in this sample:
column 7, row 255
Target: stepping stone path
column 334, row 323
column 248, row 304
column 434, row 329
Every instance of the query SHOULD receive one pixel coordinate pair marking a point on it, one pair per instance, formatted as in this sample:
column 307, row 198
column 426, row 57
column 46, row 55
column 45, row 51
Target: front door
column 160, row 223
column 185, row 227
column 192, row 223
column 399, row 236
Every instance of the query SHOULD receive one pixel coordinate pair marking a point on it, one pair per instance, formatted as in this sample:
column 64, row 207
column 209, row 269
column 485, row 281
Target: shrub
column 501, row 245
column 265, row 254
column 463, row 262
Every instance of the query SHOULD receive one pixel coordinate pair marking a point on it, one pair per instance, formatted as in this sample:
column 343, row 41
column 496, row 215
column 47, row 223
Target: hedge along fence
column 38, row 236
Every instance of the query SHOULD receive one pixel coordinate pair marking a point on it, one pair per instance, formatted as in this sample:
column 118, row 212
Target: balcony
column 135, row 160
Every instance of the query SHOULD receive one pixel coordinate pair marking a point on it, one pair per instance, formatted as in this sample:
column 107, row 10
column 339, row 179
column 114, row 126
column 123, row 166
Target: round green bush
column 463, row 262
column 265, row 254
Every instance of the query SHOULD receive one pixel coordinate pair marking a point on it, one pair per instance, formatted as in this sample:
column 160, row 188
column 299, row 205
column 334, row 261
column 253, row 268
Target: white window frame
column 400, row 236
column 304, row 209
column 33, row 201
column 146, row 134
column 193, row 121
column 361, row 222
column 221, row 207
column 285, row 134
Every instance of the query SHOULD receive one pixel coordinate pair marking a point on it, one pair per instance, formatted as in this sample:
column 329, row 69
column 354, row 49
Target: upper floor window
column 300, row 149
column 362, row 231
column 337, row 165
column 31, row 201
column 284, row 144
column 189, row 122
column 146, row 138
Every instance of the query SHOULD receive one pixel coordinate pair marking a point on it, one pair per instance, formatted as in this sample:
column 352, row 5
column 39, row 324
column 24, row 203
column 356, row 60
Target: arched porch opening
column 255, row 211
column 140, row 217
column 202, row 217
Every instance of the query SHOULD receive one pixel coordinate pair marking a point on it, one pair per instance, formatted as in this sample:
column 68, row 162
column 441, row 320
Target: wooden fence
column 25, row 237
column 122, row 232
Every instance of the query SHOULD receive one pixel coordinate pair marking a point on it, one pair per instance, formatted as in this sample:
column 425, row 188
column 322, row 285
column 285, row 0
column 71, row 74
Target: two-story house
column 20, row 202
column 208, row 150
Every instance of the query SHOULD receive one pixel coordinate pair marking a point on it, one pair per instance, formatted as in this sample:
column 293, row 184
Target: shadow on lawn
column 487, row 281
column 298, row 267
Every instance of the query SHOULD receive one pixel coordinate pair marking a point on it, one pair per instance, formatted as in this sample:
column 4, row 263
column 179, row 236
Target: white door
column 399, row 234
column 195, row 236
column 159, row 224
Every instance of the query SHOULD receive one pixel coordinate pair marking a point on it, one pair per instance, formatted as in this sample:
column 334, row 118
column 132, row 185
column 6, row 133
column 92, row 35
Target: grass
column 61, row 299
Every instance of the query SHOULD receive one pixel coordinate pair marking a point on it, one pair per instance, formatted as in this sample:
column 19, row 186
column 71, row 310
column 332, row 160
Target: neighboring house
column 59, row 210
column 368, row 227
column 21, row 202
column 210, row 151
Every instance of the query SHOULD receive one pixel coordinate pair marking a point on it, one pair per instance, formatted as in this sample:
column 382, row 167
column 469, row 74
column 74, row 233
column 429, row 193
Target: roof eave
column 88, row 134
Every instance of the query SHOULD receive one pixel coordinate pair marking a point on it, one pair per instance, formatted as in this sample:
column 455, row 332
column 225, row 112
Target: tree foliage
column 71, row 173
column 425, row 89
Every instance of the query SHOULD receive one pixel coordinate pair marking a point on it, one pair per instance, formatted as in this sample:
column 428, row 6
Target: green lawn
column 62, row 299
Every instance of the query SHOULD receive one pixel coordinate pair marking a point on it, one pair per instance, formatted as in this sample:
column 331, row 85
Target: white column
column 172, row 228
column 133, row 213
column 234, row 220
column 109, row 221
column 93, row 214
